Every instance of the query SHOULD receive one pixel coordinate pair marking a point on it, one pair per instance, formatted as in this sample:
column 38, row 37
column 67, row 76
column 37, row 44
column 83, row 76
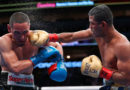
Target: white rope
column 72, row 88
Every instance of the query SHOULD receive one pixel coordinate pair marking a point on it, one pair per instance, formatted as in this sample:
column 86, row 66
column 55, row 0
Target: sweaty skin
column 16, row 50
column 114, row 48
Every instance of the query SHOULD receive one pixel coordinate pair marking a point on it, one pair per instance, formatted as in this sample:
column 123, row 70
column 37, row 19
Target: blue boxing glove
column 58, row 72
column 44, row 54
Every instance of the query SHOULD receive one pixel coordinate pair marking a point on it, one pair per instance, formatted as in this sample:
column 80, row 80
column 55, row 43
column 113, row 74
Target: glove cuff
column 52, row 68
column 32, row 62
column 53, row 37
column 106, row 73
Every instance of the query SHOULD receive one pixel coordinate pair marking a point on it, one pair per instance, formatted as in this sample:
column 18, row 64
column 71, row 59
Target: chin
column 20, row 45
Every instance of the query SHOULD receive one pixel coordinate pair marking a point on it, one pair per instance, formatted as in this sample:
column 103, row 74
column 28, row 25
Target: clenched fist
column 38, row 37
column 92, row 66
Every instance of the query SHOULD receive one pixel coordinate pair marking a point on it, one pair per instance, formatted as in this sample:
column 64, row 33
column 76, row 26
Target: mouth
column 21, row 43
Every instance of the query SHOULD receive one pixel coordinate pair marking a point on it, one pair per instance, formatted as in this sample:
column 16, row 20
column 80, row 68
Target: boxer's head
column 100, row 17
column 19, row 26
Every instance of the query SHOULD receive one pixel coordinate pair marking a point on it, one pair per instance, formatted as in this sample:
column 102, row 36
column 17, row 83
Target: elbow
column 15, row 69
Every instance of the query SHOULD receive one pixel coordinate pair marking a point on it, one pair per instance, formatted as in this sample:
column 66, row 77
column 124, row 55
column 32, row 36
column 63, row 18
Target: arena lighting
column 73, row 64
column 46, row 5
column 10, row 7
column 68, row 56
column 82, row 3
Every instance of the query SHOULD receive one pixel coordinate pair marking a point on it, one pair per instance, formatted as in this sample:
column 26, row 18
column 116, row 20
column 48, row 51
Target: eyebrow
column 22, row 31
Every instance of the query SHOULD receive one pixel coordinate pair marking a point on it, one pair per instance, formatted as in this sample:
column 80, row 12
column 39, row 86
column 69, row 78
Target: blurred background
column 56, row 16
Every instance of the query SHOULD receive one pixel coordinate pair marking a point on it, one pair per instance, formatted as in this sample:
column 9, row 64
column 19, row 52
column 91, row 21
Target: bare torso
column 107, row 51
column 22, row 53
column 114, row 50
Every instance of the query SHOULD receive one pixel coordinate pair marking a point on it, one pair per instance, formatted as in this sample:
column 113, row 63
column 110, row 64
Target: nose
column 22, row 38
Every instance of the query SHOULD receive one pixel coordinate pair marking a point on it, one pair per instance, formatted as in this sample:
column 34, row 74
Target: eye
column 25, row 32
column 16, row 32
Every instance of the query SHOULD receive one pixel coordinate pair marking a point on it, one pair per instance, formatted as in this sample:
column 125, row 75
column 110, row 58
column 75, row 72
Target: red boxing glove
column 53, row 37
column 106, row 73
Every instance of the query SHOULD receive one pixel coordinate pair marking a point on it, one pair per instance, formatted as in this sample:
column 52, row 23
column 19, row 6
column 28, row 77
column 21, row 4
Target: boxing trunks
column 10, row 81
column 110, row 85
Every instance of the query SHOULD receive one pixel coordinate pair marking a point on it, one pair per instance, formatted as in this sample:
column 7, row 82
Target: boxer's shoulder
column 6, row 41
column 120, row 42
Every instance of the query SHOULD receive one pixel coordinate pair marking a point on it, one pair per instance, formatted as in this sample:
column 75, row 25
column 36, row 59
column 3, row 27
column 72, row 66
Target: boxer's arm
column 10, row 59
column 41, row 37
column 57, row 45
column 122, row 76
column 14, row 65
column 75, row 36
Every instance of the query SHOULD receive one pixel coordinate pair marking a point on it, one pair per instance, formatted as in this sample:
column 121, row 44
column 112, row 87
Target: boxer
column 114, row 47
column 18, row 56
column 92, row 66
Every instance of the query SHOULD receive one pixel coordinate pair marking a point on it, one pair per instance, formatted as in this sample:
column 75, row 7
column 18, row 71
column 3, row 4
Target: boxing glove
column 92, row 66
column 45, row 54
column 38, row 37
column 58, row 72
column 41, row 37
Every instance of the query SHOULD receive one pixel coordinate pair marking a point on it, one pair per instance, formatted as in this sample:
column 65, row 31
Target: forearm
column 65, row 37
column 22, row 66
column 75, row 36
column 62, row 37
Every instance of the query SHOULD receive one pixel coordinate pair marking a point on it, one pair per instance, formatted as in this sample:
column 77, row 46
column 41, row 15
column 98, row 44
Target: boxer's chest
column 25, row 52
column 108, row 56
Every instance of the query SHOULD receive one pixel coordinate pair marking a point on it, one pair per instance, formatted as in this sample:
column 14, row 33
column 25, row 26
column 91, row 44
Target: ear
column 9, row 28
column 104, row 24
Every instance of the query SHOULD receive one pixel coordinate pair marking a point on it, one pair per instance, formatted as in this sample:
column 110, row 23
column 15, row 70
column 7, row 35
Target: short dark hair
column 102, row 13
column 18, row 17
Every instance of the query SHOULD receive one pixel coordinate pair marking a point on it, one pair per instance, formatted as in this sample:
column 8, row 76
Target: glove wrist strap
column 32, row 62
column 53, row 37
column 106, row 73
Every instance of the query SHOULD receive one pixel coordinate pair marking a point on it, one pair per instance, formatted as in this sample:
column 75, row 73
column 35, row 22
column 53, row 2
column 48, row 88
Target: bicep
column 123, row 56
column 9, row 58
column 122, row 74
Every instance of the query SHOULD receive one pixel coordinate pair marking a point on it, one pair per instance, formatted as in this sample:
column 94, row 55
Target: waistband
column 3, row 82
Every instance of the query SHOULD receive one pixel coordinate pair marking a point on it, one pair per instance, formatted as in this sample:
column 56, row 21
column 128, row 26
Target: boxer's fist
column 91, row 66
column 58, row 72
column 46, row 53
column 38, row 37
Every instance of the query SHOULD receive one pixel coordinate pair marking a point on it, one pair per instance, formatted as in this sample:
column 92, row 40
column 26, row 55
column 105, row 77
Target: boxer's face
column 20, row 33
column 95, row 27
